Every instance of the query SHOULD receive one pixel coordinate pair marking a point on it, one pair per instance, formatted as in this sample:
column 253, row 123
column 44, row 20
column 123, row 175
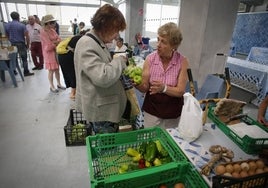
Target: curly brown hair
column 108, row 19
column 172, row 32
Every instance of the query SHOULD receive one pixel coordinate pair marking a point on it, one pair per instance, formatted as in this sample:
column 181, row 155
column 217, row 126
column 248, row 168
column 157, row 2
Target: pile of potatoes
column 241, row 169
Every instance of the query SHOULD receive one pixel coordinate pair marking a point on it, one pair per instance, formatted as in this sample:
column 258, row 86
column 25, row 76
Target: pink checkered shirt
column 170, row 75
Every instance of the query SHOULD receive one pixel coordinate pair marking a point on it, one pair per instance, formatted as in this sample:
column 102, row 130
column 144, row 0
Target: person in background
column 67, row 64
column 120, row 47
column 263, row 112
column 50, row 39
column 17, row 35
column 100, row 94
column 2, row 29
column 37, row 20
column 57, row 28
column 74, row 26
column 35, row 47
column 164, row 79
column 80, row 28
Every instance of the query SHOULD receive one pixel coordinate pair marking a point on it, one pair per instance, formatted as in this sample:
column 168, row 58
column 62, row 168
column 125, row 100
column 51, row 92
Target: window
column 158, row 13
column 23, row 12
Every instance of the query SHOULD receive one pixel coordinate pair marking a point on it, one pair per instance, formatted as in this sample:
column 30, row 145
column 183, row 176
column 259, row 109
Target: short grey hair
column 172, row 32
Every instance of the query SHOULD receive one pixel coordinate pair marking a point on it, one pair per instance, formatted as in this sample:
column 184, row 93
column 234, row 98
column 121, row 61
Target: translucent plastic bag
column 4, row 54
column 190, row 126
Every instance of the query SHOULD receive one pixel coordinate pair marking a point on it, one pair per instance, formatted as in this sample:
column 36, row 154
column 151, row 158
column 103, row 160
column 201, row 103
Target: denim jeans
column 104, row 127
column 22, row 50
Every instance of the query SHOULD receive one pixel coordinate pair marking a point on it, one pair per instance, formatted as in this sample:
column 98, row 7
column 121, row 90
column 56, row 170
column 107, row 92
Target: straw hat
column 48, row 18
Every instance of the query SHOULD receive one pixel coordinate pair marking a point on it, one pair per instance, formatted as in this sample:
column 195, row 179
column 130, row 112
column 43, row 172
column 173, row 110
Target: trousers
column 22, row 50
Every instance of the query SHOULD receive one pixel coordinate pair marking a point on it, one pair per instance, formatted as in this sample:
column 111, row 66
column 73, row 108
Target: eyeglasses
column 53, row 22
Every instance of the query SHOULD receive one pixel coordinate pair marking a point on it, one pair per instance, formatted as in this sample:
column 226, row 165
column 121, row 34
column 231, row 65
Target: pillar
column 207, row 28
column 134, row 17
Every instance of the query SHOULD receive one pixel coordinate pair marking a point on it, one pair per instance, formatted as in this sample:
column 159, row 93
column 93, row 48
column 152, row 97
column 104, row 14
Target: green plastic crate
column 107, row 152
column 247, row 144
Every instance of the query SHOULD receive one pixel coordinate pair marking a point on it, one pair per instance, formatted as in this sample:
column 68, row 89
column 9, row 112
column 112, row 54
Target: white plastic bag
column 190, row 125
column 4, row 54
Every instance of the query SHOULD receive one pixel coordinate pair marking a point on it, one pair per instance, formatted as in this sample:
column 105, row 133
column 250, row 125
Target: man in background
column 17, row 35
column 36, row 48
column 74, row 26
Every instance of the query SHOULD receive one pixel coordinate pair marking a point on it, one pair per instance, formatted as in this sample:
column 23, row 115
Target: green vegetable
column 147, row 164
column 166, row 160
column 151, row 152
column 142, row 148
column 132, row 167
column 132, row 152
column 157, row 162
column 123, row 169
column 161, row 150
column 131, row 61
column 78, row 133
column 137, row 158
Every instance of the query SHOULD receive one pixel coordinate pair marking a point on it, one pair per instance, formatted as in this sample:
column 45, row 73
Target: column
column 134, row 17
column 207, row 27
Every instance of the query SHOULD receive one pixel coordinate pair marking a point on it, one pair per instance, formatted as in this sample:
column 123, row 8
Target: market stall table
column 198, row 150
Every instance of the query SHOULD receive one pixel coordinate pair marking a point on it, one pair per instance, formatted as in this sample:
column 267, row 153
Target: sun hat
column 48, row 18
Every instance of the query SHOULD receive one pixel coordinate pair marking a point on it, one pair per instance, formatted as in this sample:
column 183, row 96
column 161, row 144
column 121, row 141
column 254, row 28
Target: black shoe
column 29, row 74
column 35, row 68
column 54, row 90
column 40, row 68
column 61, row 87
column 15, row 72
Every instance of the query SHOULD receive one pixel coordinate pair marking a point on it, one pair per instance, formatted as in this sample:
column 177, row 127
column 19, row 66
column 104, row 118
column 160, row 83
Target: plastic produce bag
column 190, row 126
column 4, row 54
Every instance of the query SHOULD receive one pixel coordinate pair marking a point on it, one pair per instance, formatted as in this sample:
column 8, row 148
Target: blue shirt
column 15, row 31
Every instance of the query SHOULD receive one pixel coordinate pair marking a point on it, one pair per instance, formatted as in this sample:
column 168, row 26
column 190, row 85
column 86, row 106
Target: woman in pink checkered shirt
column 164, row 80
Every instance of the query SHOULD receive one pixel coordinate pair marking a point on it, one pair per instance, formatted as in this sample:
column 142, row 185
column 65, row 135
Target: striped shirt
column 168, row 76
column 15, row 31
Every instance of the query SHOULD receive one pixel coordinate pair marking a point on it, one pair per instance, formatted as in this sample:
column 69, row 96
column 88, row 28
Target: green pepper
column 142, row 148
column 132, row 152
column 161, row 150
column 157, row 162
column 166, row 160
column 123, row 169
column 151, row 152
column 137, row 158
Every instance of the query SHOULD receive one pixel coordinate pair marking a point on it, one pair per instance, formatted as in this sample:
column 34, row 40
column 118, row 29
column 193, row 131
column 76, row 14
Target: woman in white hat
column 50, row 39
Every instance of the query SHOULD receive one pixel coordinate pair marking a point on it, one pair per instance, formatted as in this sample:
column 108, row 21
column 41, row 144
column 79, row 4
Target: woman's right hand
column 156, row 87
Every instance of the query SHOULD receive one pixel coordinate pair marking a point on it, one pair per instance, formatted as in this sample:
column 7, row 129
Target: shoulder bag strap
column 94, row 38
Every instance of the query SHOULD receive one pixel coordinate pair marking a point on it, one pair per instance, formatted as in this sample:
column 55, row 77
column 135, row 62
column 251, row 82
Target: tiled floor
column 32, row 147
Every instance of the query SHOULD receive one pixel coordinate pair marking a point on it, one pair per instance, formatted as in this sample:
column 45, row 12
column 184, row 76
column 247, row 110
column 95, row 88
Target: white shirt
column 34, row 32
column 122, row 49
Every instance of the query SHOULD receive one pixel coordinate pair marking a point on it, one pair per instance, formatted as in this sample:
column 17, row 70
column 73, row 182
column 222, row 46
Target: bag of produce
column 190, row 126
column 132, row 108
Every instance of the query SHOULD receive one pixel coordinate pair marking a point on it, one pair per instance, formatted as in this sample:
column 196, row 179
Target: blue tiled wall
column 251, row 30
